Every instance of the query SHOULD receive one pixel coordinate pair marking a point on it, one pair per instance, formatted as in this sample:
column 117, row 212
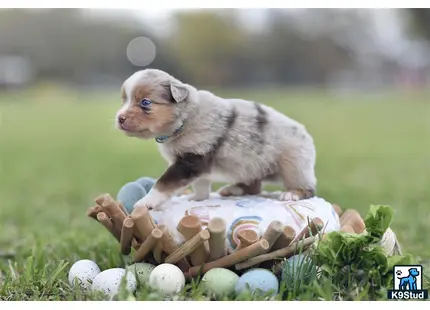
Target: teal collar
column 162, row 139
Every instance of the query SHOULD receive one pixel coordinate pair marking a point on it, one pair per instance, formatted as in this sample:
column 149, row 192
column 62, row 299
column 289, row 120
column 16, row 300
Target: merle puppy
column 206, row 138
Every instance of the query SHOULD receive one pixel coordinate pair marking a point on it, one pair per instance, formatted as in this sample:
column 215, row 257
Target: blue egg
column 146, row 182
column 298, row 269
column 129, row 194
column 258, row 280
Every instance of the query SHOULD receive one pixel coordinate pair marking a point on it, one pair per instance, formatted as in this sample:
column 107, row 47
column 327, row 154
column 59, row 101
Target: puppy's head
column 153, row 103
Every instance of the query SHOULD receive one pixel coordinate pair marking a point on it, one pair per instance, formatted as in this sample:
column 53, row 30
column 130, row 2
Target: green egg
column 146, row 183
column 219, row 282
column 129, row 194
column 142, row 272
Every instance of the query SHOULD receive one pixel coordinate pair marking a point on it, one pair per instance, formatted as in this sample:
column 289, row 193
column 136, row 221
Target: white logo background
column 403, row 271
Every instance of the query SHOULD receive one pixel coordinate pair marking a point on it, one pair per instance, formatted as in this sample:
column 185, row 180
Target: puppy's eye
column 145, row 103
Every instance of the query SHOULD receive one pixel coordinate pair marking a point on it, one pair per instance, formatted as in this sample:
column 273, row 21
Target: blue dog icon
column 410, row 281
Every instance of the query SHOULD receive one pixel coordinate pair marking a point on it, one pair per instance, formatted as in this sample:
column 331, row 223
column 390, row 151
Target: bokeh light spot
column 141, row 51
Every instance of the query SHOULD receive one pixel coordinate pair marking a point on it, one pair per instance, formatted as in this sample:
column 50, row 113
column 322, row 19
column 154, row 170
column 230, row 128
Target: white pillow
column 246, row 212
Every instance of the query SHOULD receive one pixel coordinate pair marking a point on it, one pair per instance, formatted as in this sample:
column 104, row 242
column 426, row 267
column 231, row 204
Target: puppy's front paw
column 158, row 208
column 289, row 196
column 142, row 204
column 153, row 200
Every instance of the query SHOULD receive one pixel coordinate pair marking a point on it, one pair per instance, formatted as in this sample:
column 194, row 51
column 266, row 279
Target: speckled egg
column 298, row 268
column 109, row 281
column 146, row 182
column 83, row 271
column 142, row 272
column 258, row 280
column 129, row 194
column 219, row 282
column 167, row 279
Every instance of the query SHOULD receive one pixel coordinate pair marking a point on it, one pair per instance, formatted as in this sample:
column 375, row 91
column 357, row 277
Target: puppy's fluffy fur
column 225, row 140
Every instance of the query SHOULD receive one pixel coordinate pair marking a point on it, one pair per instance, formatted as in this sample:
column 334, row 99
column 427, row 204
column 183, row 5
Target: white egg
column 109, row 281
column 84, row 271
column 167, row 279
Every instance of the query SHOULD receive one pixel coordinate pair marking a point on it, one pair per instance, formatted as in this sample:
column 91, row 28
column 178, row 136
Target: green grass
column 59, row 150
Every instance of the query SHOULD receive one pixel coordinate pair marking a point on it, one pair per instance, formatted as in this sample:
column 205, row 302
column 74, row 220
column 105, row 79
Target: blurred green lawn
column 58, row 150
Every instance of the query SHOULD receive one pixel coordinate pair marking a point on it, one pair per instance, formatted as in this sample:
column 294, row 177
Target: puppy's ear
column 179, row 91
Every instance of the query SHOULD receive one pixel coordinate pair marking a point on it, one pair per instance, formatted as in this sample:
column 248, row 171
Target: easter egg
column 166, row 279
column 219, row 282
column 109, row 281
column 83, row 272
column 258, row 280
column 141, row 271
column 146, row 183
column 298, row 268
column 129, row 194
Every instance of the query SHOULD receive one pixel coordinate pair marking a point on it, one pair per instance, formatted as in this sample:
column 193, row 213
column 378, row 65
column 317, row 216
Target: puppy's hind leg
column 240, row 189
column 298, row 175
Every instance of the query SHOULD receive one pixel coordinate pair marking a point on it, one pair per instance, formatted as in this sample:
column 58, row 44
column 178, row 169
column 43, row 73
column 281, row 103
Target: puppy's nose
column 121, row 119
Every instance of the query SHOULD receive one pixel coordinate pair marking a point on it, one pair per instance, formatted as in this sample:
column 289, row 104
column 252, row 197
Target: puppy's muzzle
column 121, row 119
column 122, row 123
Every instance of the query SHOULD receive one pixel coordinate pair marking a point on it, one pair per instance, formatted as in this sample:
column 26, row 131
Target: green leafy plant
column 357, row 261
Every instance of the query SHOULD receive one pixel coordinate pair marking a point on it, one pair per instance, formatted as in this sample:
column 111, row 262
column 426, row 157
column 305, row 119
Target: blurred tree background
column 224, row 48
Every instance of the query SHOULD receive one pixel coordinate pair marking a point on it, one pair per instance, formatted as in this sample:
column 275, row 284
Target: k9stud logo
column 407, row 283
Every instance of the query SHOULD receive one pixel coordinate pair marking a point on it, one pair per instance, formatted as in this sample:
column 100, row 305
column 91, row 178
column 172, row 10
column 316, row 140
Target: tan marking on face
column 142, row 91
column 158, row 119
